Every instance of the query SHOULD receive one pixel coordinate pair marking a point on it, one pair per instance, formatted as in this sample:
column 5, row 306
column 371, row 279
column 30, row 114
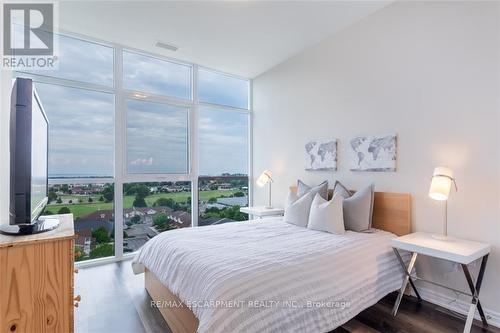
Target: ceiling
column 245, row 38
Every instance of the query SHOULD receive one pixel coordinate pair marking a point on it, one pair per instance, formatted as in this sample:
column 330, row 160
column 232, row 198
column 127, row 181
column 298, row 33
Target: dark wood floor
column 114, row 300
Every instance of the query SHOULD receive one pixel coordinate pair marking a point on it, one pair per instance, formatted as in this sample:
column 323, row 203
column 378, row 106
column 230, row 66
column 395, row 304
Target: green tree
column 59, row 200
column 70, row 201
column 234, row 213
column 79, row 255
column 239, row 194
column 101, row 198
column 138, row 189
column 135, row 219
column 139, row 201
column 52, row 196
column 160, row 221
column 80, row 200
column 102, row 250
column 167, row 202
column 90, row 199
column 47, row 212
column 108, row 193
column 65, row 188
column 101, row 235
column 212, row 200
column 163, row 202
column 64, row 210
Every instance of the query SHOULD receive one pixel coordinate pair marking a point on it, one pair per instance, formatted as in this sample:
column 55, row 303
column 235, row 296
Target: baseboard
column 458, row 305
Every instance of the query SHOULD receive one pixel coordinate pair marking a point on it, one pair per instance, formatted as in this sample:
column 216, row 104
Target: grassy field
column 85, row 208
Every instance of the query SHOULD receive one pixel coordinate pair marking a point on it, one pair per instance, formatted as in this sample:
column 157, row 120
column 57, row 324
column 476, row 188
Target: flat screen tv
column 29, row 128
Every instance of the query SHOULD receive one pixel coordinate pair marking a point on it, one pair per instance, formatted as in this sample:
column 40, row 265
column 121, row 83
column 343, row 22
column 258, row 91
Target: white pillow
column 297, row 209
column 327, row 215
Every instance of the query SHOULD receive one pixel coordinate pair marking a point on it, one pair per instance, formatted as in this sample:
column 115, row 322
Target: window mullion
column 119, row 151
column 193, row 139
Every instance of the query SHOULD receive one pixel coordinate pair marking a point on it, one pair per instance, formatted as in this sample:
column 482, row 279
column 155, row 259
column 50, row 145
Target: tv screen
column 28, row 152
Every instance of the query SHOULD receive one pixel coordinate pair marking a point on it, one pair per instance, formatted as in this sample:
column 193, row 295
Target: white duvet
column 270, row 276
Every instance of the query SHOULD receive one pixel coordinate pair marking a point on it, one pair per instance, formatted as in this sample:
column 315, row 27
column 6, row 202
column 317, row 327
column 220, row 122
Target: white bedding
column 268, row 272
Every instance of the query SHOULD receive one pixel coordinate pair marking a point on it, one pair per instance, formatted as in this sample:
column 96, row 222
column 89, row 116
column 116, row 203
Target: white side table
column 261, row 211
column 456, row 250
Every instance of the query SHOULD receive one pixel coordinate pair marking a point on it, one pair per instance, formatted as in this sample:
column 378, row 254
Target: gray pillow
column 358, row 206
column 321, row 189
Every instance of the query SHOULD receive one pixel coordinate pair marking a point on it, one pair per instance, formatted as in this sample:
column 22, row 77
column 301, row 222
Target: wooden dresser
column 36, row 280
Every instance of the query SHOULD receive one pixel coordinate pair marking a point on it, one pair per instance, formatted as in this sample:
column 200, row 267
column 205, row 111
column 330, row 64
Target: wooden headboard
column 391, row 211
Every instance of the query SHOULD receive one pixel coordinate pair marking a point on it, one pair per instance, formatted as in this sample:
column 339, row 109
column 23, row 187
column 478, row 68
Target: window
column 82, row 61
column 81, row 131
column 222, row 142
column 93, row 213
column 223, row 161
column 157, row 138
column 220, row 199
column 148, row 74
column 217, row 88
column 151, row 208
column 149, row 165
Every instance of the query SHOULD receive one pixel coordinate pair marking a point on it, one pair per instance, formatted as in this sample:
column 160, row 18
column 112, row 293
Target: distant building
column 214, row 221
column 83, row 241
column 233, row 201
column 183, row 219
column 224, row 187
column 205, row 206
column 106, row 214
column 134, row 244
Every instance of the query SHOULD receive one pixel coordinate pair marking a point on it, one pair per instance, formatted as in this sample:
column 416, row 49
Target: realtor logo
column 28, row 29
column 29, row 39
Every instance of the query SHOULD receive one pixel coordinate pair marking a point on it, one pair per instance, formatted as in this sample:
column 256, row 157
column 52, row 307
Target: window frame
column 249, row 101
column 145, row 94
column 121, row 176
column 125, row 148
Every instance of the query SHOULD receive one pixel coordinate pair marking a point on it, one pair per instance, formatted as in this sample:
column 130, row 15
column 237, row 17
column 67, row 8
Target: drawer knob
column 78, row 298
column 76, row 304
column 76, row 270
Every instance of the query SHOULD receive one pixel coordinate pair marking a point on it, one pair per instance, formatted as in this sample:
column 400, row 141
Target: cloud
column 222, row 89
column 82, row 121
column 143, row 161
column 85, row 61
column 157, row 76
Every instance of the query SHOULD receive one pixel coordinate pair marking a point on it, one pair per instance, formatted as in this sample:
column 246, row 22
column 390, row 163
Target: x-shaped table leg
column 407, row 278
column 475, row 295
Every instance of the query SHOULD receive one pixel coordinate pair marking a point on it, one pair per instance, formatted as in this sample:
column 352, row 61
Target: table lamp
column 266, row 178
column 442, row 179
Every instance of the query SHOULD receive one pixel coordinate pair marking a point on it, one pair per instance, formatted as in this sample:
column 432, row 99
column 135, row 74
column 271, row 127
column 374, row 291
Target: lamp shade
column 441, row 183
column 264, row 178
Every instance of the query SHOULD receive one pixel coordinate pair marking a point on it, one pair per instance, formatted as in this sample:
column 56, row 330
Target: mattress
column 270, row 276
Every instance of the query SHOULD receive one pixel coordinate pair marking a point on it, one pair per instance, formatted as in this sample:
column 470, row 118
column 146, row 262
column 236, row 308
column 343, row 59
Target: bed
column 270, row 276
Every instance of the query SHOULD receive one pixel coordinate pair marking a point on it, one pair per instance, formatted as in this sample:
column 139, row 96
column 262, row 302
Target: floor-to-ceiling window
column 140, row 144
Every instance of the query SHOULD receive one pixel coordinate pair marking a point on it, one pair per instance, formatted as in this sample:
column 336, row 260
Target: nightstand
column 453, row 249
column 261, row 211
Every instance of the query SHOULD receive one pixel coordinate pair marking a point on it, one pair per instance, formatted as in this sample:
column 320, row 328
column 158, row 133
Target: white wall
column 428, row 71
column 5, row 88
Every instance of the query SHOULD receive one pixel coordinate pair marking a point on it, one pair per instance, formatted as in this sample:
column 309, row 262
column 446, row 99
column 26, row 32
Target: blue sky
column 81, row 121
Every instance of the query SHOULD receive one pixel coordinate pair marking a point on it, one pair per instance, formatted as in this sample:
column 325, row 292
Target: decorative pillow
column 297, row 209
column 321, row 189
column 327, row 215
column 358, row 207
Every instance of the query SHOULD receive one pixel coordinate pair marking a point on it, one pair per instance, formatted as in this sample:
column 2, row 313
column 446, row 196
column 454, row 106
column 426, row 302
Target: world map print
column 321, row 155
column 373, row 153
